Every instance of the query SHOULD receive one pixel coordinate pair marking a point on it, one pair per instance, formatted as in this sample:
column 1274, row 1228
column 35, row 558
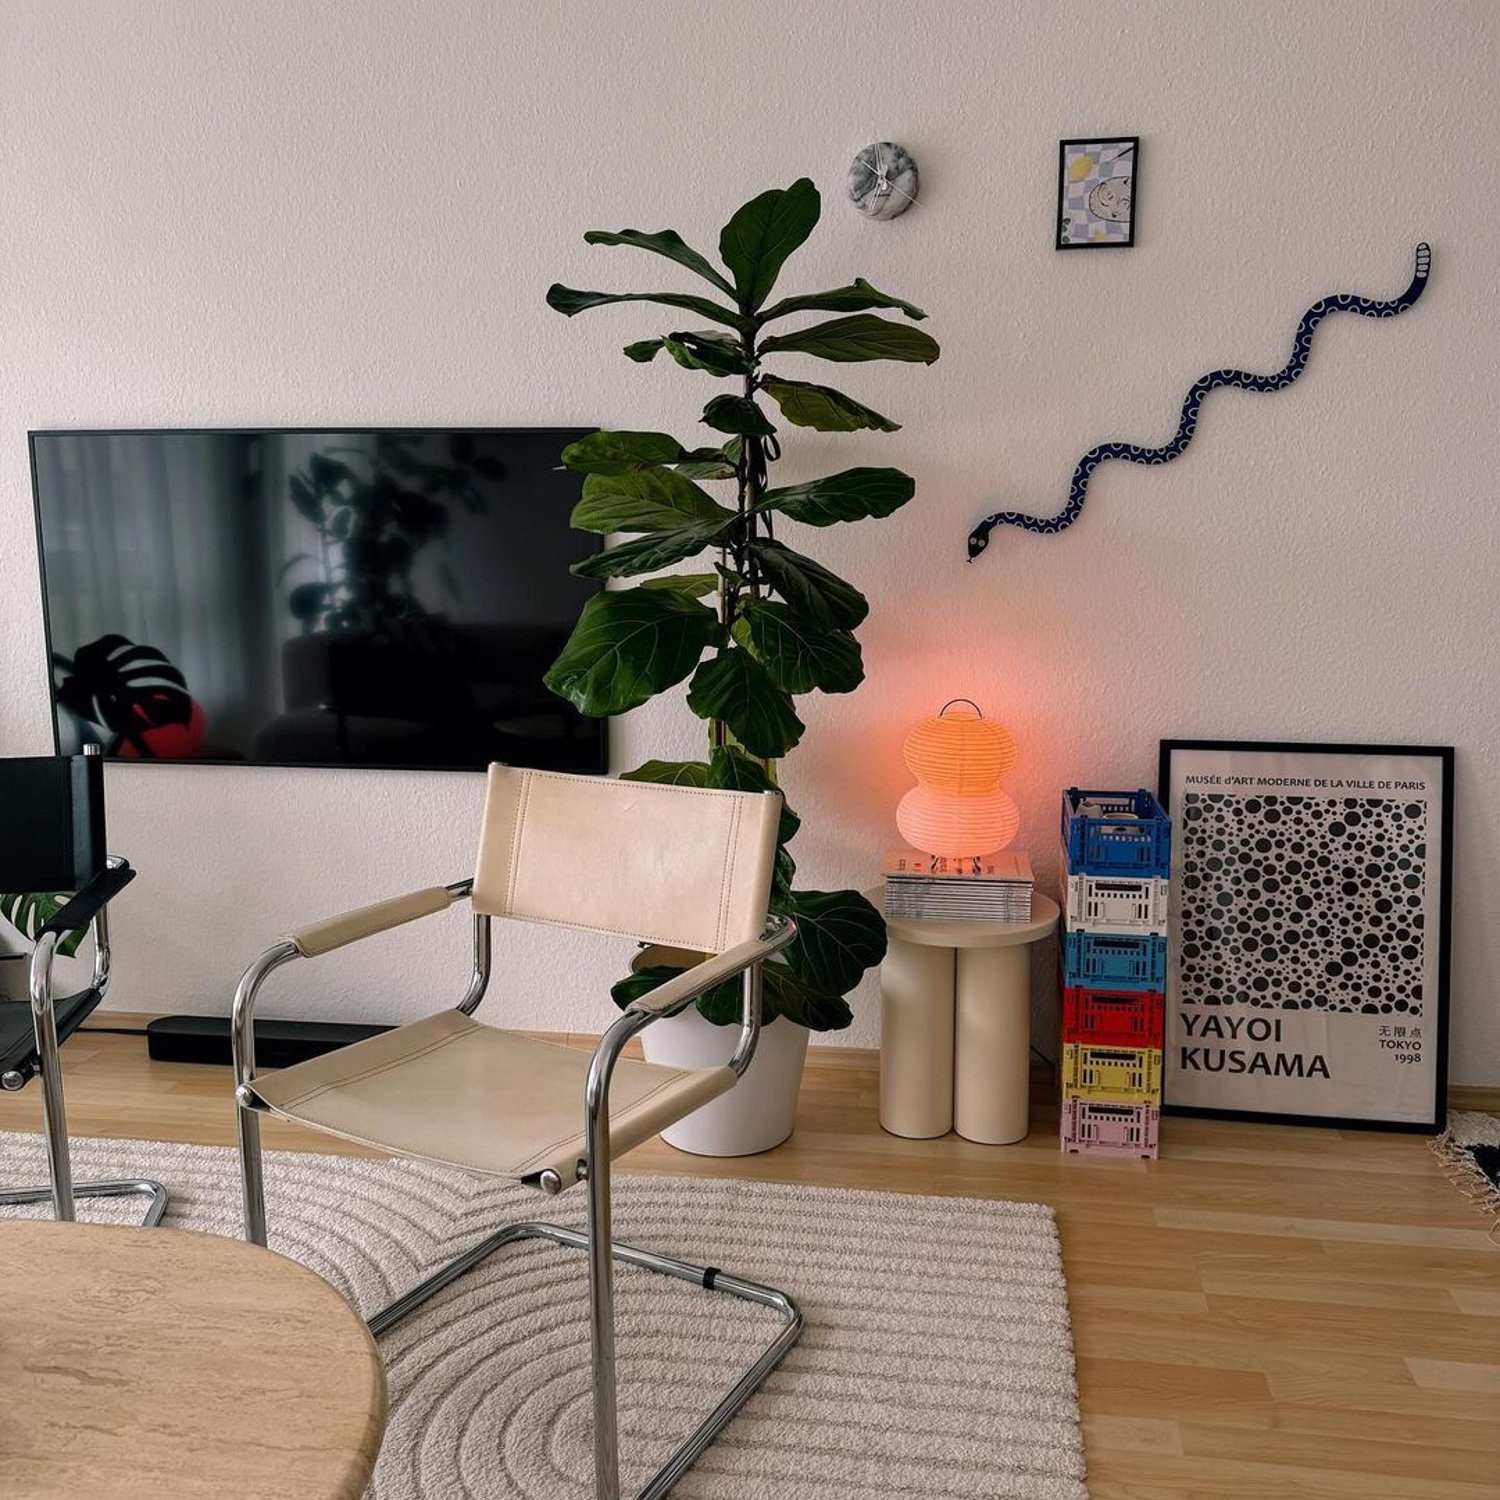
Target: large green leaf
column 644, row 500
column 735, row 689
column 850, row 496
column 694, row 585
column 570, row 301
column 856, row 298
column 665, row 242
column 787, row 993
column 620, row 452
column 839, row 936
column 649, row 554
column 811, row 590
column 755, row 243
column 800, row 656
column 825, row 410
column 735, row 771
column 627, row 647
column 711, row 463
column 861, row 337
column 737, row 414
column 670, row 772
column 716, row 353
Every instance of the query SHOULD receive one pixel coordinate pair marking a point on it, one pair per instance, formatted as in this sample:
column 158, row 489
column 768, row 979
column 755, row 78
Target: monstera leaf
column 126, row 688
column 28, row 914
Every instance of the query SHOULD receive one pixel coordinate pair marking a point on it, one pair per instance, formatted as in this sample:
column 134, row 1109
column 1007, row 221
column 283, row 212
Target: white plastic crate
column 1113, row 903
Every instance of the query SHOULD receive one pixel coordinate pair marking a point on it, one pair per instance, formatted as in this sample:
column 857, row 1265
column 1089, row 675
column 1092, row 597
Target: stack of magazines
column 991, row 888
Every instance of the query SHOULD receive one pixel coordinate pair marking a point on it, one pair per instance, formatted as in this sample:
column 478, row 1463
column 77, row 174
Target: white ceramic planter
column 760, row 1110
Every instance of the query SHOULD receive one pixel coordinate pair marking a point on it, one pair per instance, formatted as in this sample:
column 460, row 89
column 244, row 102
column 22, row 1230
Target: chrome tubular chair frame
column 594, row 1170
column 61, row 1189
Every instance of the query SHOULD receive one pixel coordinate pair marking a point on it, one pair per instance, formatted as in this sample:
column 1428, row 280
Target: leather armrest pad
column 364, row 921
column 91, row 900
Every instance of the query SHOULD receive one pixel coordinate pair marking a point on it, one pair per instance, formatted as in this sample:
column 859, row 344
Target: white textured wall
column 302, row 213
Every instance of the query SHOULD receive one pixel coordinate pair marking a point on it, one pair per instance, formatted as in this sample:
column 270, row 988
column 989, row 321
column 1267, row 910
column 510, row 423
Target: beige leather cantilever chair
column 682, row 866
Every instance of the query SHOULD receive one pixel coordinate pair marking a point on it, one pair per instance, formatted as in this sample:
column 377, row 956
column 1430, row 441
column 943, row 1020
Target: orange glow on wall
column 957, row 809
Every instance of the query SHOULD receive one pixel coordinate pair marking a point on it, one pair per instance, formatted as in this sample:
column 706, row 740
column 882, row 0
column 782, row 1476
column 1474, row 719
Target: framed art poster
column 1307, row 973
column 1096, row 183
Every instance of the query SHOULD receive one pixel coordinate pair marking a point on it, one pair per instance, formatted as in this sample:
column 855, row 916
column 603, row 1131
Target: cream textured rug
column 936, row 1358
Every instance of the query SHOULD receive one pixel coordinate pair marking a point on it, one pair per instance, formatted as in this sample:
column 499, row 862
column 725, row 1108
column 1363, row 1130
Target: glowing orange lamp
column 957, row 808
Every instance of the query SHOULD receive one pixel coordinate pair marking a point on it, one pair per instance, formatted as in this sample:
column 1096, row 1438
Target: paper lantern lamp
column 958, row 750
column 957, row 809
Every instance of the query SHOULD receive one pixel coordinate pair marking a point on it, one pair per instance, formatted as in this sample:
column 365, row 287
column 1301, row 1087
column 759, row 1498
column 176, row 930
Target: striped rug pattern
column 936, row 1360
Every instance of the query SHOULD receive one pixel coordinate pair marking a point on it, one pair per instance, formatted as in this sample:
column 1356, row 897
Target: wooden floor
column 1305, row 1314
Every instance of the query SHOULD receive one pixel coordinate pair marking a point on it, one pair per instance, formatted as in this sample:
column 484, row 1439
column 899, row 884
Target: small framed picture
column 1309, row 916
column 1096, row 183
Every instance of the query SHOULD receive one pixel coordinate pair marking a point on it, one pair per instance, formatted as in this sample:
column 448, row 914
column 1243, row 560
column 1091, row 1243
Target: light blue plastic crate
column 1116, row 833
column 1114, row 960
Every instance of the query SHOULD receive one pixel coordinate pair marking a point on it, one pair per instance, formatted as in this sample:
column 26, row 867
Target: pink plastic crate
column 1109, row 1129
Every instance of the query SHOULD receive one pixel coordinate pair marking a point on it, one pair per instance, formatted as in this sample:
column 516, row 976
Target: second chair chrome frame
column 594, row 1169
column 61, row 1190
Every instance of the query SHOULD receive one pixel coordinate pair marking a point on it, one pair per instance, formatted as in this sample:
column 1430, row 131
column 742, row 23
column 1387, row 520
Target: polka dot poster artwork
column 1302, row 903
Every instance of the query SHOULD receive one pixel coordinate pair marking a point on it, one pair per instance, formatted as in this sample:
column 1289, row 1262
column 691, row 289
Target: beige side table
column 139, row 1364
column 955, row 1025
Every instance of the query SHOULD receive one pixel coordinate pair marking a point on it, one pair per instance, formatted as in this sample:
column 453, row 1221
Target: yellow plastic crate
column 1112, row 1075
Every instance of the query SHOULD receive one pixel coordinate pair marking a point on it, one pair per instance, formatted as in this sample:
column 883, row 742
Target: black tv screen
column 313, row 598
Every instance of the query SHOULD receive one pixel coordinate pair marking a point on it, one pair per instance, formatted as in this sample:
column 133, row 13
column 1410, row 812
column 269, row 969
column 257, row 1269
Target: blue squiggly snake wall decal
column 1132, row 453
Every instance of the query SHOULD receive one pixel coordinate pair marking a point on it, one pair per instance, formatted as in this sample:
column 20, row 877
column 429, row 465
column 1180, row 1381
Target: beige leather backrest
column 685, row 866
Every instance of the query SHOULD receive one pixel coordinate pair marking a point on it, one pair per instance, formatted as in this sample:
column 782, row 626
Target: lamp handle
column 949, row 704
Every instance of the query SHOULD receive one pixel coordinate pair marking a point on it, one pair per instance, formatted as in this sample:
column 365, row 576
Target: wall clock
column 883, row 180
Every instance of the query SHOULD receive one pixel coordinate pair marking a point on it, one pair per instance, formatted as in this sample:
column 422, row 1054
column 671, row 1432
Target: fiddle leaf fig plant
column 758, row 624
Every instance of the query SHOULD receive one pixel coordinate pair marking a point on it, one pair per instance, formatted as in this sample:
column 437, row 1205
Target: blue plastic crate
column 1114, row 960
column 1115, row 833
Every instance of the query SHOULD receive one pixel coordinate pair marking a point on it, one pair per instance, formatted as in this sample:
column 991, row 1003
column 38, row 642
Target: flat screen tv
column 312, row 598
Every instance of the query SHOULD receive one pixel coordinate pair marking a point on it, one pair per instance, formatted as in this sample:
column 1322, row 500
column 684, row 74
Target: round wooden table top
column 141, row 1363
column 937, row 932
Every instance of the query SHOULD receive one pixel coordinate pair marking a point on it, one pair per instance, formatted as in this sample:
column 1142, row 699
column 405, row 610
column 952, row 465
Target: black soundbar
column 278, row 1044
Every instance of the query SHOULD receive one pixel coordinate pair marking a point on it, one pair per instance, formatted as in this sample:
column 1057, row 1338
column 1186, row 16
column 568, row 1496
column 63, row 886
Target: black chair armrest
column 82, row 908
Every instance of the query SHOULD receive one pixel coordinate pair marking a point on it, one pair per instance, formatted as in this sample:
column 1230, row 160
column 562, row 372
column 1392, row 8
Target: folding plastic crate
column 1115, row 833
column 1113, row 1018
column 1114, row 960
column 1118, row 903
column 1110, row 1129
column 1112, row 1075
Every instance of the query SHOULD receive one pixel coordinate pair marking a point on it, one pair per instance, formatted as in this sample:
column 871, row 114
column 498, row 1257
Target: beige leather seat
column 451, row 1090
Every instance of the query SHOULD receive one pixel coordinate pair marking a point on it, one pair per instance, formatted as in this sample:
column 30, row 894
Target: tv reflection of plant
column 371, row 527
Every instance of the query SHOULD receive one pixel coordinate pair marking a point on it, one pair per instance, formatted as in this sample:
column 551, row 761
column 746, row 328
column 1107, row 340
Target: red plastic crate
column 1113, row 1018
column 1110, row 1129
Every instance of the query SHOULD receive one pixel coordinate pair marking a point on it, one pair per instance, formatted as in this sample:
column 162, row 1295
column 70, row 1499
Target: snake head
column 978, row 541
